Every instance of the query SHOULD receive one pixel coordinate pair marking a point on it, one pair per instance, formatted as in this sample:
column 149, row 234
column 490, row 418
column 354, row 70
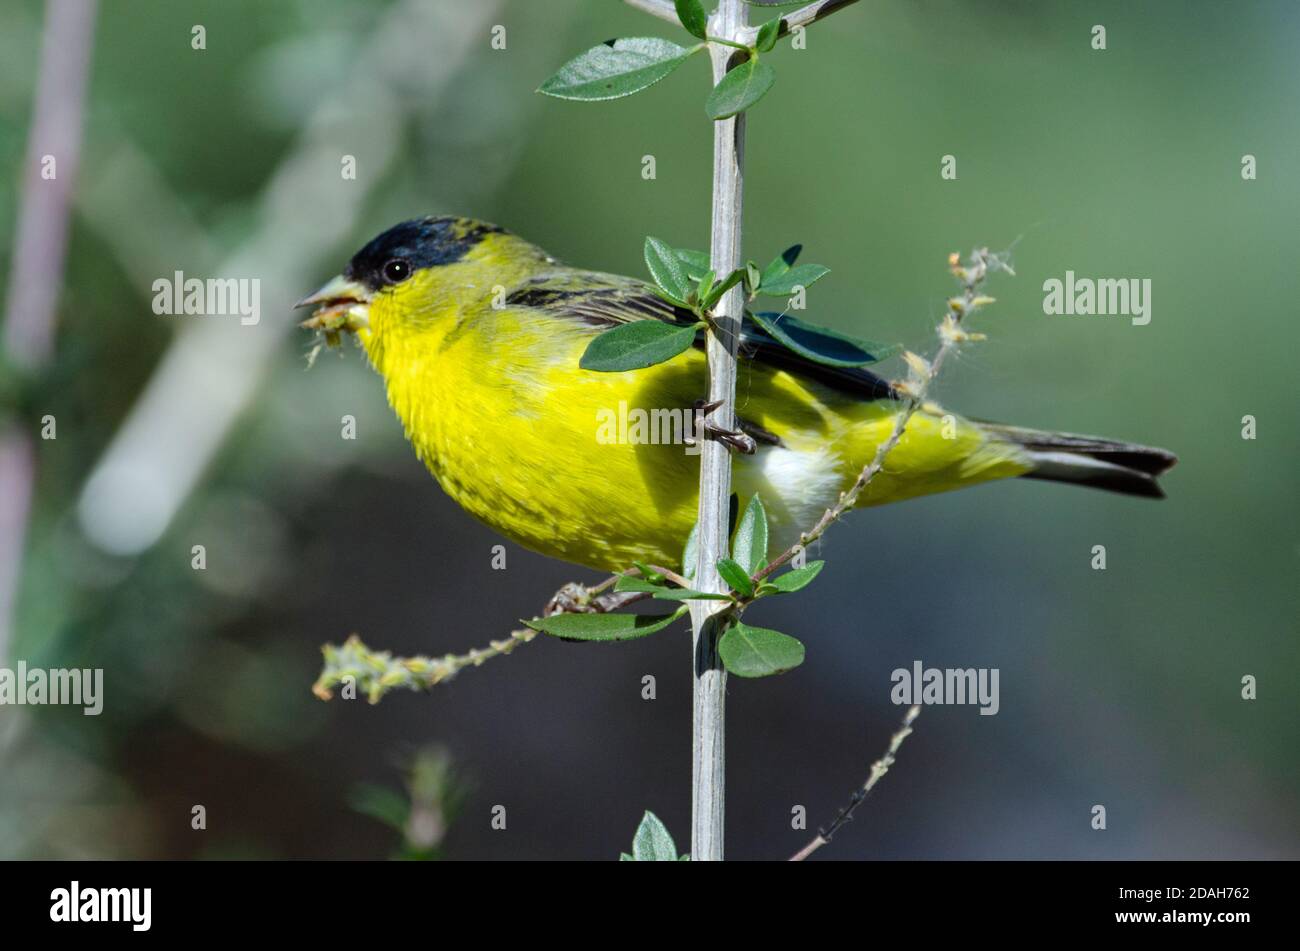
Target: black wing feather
column 601, row 301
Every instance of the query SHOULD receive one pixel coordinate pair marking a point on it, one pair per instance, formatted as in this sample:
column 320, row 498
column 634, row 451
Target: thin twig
column 671, row 575
column 803, row 17
column 878, row 770
column 663, row 9
column 376, row 672
column 915, row 389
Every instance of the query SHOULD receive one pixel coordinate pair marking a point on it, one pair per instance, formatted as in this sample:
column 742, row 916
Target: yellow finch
column 477, row 335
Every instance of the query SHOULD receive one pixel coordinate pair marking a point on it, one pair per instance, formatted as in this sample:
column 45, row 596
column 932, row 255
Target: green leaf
column 693, row 17
column 652, row 843
column 697, row 262
column 758, row 652
column 603, row 627
column 689, row 594
column 640, row 344
column 782, row 285
column 667, row 269
column 767, row 34
column 753, row 277
column 381, row 803
column 740, row 89
column 821, row 344
column 782, row 263
column 648, row 573
column 665, row 593
column 705, row 287
column 796, row 579
column 690, row 552
column 616, row 69
column 624, row 857
column 750, row 547
column 721, row 288
column 735, row 576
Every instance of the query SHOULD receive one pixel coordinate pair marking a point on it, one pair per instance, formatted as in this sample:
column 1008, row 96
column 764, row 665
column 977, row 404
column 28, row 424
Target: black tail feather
column 1123, row 467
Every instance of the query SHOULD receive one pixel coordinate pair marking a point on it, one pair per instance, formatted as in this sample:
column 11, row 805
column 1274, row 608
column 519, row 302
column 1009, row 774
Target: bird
column 478, row 335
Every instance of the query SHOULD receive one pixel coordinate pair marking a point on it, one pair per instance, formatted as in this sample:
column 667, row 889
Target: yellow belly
column 519, row 436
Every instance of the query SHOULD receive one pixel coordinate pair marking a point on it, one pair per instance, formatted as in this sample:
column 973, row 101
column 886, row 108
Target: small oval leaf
column 692, row 15
column 740, row 89
column 668, row 269
column 735, row 576
column 603, row 627
column 750, row 547
column 663, row 592
column 820, row 344
column 784, row 283
column 781, row 264
column 797, row 578
column 758, row 652
column 616, row 69
column 637, row 345
column 652, row 842
column 690, row 552
column 767, row 35
column 696, row 262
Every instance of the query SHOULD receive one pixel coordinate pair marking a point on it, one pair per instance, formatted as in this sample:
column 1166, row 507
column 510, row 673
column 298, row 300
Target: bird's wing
column 605, row 300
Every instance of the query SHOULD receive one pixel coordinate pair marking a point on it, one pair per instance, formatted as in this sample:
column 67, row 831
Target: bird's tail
column 1088, row 460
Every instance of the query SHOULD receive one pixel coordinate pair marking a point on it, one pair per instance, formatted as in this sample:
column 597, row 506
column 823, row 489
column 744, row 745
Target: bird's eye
column 397, row 270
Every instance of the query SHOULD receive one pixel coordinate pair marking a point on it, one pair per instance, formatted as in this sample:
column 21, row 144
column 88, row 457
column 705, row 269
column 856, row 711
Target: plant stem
column 805, row 16
column 36, row 274
column 877, row 772
column 708, row 746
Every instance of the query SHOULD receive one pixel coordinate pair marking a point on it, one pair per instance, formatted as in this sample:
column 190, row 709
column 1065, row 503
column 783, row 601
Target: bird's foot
column 736, row 439
column 573, row 598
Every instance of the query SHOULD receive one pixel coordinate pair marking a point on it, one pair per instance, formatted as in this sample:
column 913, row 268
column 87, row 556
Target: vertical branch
column 36, row 269
column 709, row 748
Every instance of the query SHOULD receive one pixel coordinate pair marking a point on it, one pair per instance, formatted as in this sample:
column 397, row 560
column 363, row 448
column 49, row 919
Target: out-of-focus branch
column 36, row 269
column 803, row 17
column 211, row 373
column 663, row 9
column 17, row 477
column 36, row 273
column 878, row 770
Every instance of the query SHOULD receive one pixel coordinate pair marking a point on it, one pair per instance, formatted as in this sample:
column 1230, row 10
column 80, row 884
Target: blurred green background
column 1119, row 688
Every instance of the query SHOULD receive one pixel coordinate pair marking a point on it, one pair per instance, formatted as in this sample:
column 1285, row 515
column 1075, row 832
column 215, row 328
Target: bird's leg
column 575, row 598
column 613, row 600
column 735, row 439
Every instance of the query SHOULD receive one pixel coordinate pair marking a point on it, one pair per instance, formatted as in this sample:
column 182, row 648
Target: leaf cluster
column 746, row 651
column 683, row 278
column 622, row 67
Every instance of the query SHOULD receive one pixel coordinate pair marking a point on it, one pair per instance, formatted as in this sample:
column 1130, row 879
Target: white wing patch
column 796, row 485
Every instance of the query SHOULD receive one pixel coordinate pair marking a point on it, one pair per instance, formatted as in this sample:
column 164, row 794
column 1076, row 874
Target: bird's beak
column 340, row 305
column 338, row 291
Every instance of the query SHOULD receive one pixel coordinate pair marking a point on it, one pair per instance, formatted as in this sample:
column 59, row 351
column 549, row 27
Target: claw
column 573, row 598
column 734, row 438
column 738, row 440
